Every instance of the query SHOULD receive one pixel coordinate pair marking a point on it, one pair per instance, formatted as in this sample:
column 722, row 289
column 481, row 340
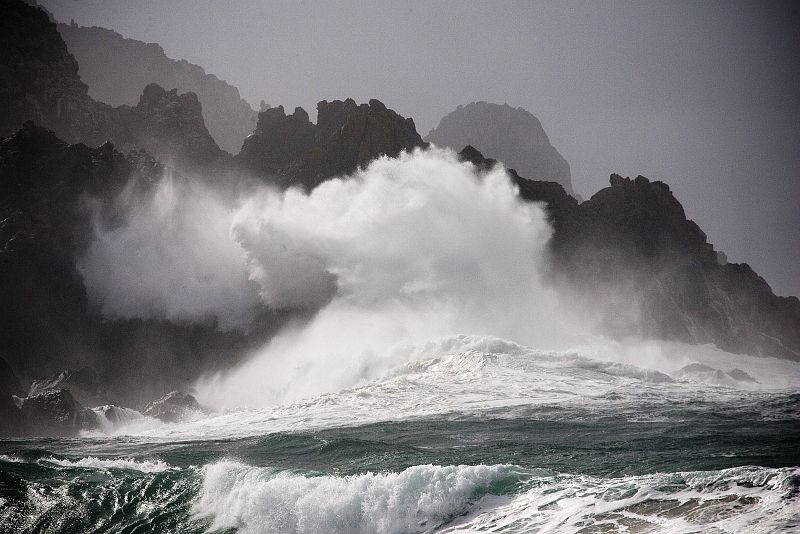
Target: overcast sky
column 704, row 96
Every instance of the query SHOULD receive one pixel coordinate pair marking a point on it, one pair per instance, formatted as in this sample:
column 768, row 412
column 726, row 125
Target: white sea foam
column 742, row 499
column 10, row 458
column 418, row 499
column 499, row 498
column 145, row 466
column 470, row 375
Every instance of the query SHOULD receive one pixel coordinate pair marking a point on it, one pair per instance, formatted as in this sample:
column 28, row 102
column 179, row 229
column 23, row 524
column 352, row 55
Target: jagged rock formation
column 631, row 254
column 54, row 413
column 39, row 78
column 39, row 82
column 173, row 407
column 290, row 150
column 167, row 125
column 511, row 135
column 47, row 323
column 117, row 69
column 81, row 383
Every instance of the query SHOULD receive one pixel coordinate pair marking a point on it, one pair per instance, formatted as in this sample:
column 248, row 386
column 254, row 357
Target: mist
column 407, row 249
column 702, row 96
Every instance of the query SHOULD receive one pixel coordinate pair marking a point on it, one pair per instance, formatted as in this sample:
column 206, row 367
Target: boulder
column 82, row 384
column 173, row 407
column 55, row 413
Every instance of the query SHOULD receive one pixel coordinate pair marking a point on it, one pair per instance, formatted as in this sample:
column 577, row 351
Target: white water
column 471, row 375
column 260, row 500
column 742, row 499
column 426, row 497
column 145, row 466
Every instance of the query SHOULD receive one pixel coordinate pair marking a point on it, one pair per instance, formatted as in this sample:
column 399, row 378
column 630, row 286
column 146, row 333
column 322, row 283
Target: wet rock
column 82, row 384
column 173, row 407
column 55, row 413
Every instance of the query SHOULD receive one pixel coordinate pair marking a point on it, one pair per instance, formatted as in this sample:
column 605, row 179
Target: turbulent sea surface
column 472, row 435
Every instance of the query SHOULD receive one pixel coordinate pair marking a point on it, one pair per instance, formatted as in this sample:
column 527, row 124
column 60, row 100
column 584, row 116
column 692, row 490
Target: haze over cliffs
column 629, row 252
column 116, row 71
column 511, row 135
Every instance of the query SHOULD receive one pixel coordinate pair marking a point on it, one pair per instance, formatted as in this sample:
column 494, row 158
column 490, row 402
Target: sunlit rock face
column 291, row 150
column 511, row 135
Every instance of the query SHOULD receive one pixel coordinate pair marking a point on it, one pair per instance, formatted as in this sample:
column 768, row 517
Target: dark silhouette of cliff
column 117, row 70
column 511, row 135
column 40, row 82
column 291, row 150
column 630, row 254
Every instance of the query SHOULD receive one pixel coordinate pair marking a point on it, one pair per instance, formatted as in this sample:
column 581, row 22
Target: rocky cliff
column 630, row 254
column 39, row 82
column 39, row 78
column 166, row 125
column 511, row 135
column 51, row 195
column 291, row 150
column 117, row 70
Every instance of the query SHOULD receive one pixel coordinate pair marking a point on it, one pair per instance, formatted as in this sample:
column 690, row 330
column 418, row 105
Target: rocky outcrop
column 173, row 407
column 630, row 254
column 166, row 125
column 291, row 151
column 559, row 204
column 633, row 240
column 44, row 224
column 512, row 135
column 117, row 69
column 39, row 78
column 39, row 82
column 47, row 323
column 81, row 383
column 54, row 413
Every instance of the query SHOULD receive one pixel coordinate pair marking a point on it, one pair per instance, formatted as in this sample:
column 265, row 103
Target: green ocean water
column 745, row 457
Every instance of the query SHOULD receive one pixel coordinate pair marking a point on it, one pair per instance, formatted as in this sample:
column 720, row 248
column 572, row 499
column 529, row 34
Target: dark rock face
column 44, row 225
column 9, row 388
column 82, row 384
column 290, row 150
column 47, row 323
column 630, row 254
column 117, row 69
column 39, row 78
column 513, row 136
column 633, row 240
column 55, row 413
column 39, row 82
column 173, row 407
column 167, row 125
column 560, row 205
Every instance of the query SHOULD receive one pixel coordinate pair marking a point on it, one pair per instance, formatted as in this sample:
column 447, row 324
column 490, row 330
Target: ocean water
column 470, row 435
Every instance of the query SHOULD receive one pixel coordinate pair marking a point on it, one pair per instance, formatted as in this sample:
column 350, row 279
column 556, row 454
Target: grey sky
column 705, row 96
